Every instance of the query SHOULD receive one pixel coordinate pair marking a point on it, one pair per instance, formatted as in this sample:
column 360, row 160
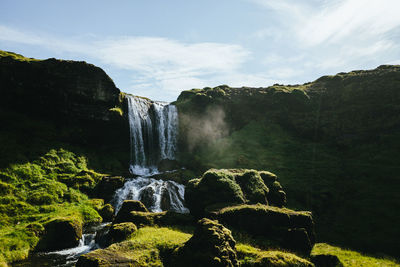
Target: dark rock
column 297, row 240
column 123, row 214
column 165, row 199
column 108, row 185
column 147, row 197
column 120, row 232
column 60, row 234
column 103, row 257
column 211, row 245
column 168, row 165
column 107, row 213
column 140, row 218
column 326, row 260
column 270, row 223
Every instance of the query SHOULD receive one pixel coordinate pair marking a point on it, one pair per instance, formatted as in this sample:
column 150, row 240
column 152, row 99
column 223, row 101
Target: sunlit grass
column 351, row 258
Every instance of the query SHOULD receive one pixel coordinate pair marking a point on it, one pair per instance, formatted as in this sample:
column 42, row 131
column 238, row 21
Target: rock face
column 59, row 234
column 230, row 186
column 211, row 245
column 74, row 103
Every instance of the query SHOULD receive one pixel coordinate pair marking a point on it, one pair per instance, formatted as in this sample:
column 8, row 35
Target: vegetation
column 35, row 193
column 351, row 258
column 325, row 140
column 16, row 56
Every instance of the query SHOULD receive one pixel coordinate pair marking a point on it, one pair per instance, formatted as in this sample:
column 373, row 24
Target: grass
column 145, row 248
column 16, row 56
column 34, row 193
column 351, row 258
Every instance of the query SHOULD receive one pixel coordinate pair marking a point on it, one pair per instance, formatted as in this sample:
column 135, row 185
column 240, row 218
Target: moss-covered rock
column 121, row 231
column 107, row 213
column 235, row 186
column 211, row 245
column 286, row 228
column 326, row 260
column 127, row 207
column 108, row 185
column 60, row 234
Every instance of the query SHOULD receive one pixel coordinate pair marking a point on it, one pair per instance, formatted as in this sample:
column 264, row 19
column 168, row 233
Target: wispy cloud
column 160, row 66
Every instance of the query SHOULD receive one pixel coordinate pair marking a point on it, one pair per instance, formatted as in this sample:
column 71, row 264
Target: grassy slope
column 33, row 193
column 335, row 151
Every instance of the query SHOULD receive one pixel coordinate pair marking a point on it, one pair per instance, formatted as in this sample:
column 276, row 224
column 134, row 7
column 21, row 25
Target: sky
column 158, row 48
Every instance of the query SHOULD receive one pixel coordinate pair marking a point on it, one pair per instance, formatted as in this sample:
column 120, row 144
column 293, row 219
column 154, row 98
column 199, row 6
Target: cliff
column 57, row 103
column 333, row 142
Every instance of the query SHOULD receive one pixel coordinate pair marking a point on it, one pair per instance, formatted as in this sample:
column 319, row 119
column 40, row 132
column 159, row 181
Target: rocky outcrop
column 211, row 245
column 74, row 103
column 60, row 234
column 292, row 230
column 233, row 186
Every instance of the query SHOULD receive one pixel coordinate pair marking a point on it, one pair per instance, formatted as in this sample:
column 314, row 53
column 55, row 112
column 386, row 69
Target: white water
column 153, row 134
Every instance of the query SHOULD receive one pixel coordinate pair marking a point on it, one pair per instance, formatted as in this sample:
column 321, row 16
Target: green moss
column 117, row 110
column 351, row 258
column 16, row 56
column 35, row 194
column 252, row 257
column 145, row 248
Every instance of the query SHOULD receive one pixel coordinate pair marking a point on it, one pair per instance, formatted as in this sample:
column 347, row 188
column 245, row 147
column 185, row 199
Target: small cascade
column 153, row 134
column 156, row 195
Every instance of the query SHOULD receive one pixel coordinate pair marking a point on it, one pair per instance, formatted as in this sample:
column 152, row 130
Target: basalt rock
column 60, row 234
column 127, row 207
column 211, row 245
column 293, row 230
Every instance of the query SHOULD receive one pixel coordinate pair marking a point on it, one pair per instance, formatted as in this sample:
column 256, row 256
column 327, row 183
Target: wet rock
column 165, row 199
column 211, row 245
column 128, row 206
column 147, row 197
column 108, row 185
column 60, row 234
column 168, row 165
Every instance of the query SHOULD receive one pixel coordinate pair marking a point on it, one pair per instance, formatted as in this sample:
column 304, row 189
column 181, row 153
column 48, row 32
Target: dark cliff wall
column 334, row 144
column 57, row 103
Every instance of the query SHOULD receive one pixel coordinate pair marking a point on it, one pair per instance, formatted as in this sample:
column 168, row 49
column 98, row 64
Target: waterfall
column 153, row 134
column 153, row 137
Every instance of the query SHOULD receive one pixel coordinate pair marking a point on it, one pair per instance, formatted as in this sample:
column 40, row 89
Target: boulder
column 286, row 228
column 235, row 186
column 211, row 245
column 123, row 214
column 147, row 197
column 120, row 232
column 107, row 213
column 60, row 234
column 326, row 260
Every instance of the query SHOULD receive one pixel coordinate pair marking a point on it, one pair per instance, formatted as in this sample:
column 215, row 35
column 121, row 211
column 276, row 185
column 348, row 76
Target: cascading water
column 153, row 137
column 153, row 134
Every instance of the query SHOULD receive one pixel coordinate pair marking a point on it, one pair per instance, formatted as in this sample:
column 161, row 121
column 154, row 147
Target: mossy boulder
column 165, row 218
column 235, row 186
column 211, row 245
column 292, row 230
column 60, row 234
column 121, row 231
column 127, row 207
column 107, row 213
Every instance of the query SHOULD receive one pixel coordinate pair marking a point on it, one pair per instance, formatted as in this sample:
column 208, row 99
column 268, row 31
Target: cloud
column 160, row 67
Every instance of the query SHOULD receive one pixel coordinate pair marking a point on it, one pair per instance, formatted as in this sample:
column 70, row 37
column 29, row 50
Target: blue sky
column 157, row 48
